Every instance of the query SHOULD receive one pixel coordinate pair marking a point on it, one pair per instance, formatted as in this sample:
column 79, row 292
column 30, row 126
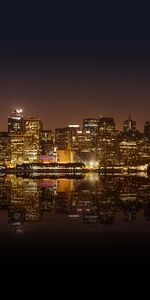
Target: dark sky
column 65, row 71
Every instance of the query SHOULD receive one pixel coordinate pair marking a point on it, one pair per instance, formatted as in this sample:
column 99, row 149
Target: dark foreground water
column 90, row 217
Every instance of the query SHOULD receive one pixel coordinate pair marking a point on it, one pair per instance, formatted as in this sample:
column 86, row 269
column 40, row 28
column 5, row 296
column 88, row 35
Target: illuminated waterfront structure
column 65, row 156
column 16, row 122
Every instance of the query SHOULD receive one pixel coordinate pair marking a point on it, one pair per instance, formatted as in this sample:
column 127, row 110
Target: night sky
column 76, row 71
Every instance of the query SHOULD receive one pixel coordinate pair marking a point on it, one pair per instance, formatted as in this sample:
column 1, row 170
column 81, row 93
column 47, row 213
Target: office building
column 4, row 147
column 17, row 145
column 147, row 129
column 16, row 122
column 129, row 125
column 106, row 145
column 91, row 125
column 66, row 138
column 32, row 128
column 84, row 140
column 46, row 142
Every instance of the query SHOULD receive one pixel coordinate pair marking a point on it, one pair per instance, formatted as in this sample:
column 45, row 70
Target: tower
column 32, row 128
column 129, row 125
column 15, row 121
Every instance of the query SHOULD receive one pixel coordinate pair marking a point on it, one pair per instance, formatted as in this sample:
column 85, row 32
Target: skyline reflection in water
column 92, row 203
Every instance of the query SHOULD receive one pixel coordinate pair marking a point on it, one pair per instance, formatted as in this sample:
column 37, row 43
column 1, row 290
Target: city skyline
column 26, row 115
column 95, row 146
column 67, row 80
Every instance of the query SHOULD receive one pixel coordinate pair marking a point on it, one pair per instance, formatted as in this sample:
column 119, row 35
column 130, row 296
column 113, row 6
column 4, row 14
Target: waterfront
column 87, row 203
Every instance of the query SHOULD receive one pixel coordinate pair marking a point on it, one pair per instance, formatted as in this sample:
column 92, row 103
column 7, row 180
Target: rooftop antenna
column 129, row 116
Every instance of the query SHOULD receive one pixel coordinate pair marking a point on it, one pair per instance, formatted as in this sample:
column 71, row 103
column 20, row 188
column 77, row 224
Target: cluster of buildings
column 25, row 141
column 97, row 143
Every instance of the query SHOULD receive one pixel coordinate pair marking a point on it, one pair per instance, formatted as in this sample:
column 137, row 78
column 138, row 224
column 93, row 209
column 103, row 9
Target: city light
column 97, row 145
column 93, row 164
column 74, row 126
column 19, row 111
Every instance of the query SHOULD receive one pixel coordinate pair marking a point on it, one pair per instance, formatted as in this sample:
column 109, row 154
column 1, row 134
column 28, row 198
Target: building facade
column 16, row 122
column 32, row 129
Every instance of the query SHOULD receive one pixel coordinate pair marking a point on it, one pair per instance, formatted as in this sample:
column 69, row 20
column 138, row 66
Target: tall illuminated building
column 46, row 142
column 128, row 152
column 73, row 134
column 61, row 138
column 66, row 138
column 84, row 140
column 17, row 143
column 147, row 129
column 106, row 141
column 106, row 125
column 32, row 129
column 129, row 126
column 16, row 122
column 90, row 125
column 32, row 125
column 4, row 147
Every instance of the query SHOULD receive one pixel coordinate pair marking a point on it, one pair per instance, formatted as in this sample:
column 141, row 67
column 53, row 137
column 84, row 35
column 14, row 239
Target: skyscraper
column 62, row 138
column 17, row 143
column 15, row 121
column 106, row 141
column 46, row 142
column 32, row 128
column 106, row 125
column 129, row 125
column 91, row 125
column 66, row 138
column 4, row 147
column 147, row 129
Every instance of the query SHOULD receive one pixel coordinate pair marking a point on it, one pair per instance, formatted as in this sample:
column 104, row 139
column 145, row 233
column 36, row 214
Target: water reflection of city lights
column 94, row 199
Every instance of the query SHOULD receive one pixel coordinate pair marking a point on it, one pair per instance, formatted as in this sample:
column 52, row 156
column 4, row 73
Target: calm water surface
column 90, row 203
